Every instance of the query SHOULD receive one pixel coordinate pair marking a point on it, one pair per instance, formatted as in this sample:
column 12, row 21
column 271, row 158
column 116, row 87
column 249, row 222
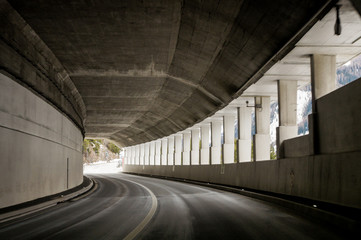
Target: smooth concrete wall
column 338, row 118
column 329, row 178
column 41, row 149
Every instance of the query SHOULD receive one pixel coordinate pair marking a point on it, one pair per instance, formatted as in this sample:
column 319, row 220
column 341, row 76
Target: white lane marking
column 149, row 216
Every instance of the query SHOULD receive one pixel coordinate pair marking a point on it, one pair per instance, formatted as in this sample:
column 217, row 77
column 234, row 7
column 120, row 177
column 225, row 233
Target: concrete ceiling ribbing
column 149, row 69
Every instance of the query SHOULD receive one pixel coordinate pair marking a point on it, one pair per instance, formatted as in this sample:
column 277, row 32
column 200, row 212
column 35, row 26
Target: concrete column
column 132, row 155
column 178, row 149
column 262, row 137
column 171, row 151
column 137, row 154
column 287, row 108
column 186, row 148
column 244, row 115
column 228, row 133
column 158, row 146
column 323, row 75
column 205, row 158
column 216, row 126
column 152, row 153
column 126, row 155
column 141, row 156
column 164, row 151
column 195, row 146
column 146, row 153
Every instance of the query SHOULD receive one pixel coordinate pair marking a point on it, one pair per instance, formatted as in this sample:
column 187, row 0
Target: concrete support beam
column 195, row 146
column 132, row 155
column 141, row 156
column 146, row 153
column 186, row 148
column 158, row 146
column 228, row 132
column 164, row 151
column 178, row 149
column 287, row 105
column 244, row 115
column 323, row 75
column 152, row 153
column 171, row 150
column 216, row 126
column 205, row 158
column 137, row 155
column 262, row 136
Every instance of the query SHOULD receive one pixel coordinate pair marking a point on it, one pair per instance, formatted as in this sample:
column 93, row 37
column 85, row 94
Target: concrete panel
column 329, row 178
column 228, row 153
column 338, row 116
column 244, row 150
column 41, row 148
column 262, row 147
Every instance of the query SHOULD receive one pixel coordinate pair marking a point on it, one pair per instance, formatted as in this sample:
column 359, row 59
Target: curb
column 8, row 216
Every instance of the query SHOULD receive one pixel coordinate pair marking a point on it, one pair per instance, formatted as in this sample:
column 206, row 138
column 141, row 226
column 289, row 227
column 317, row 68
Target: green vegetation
column 273, row 154
column 113, row 148
column 89, row 144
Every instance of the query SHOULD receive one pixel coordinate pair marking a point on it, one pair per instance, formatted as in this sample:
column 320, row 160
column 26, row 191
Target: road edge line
column 147, row 218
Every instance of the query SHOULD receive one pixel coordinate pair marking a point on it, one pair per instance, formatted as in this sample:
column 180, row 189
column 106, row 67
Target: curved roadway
column 126, row 206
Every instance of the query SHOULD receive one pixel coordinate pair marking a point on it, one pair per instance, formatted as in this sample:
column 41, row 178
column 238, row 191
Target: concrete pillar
column 152, row 153
column 141, row 156
column 178, row 149
column 171, row 151
column 186, row 148
column 132, row 155
column 158, row 146
column 164, row 151
column 195, row 146
column 287, row 108
column 244, row 115
column 262, row 137
column 216, row 126
column 228, row 133
column 126, row 155
column 205, row 158
column 137, row 154
column 323, row 75
column 146, row 153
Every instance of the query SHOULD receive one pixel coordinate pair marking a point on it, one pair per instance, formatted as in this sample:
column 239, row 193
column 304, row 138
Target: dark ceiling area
column 148, row 69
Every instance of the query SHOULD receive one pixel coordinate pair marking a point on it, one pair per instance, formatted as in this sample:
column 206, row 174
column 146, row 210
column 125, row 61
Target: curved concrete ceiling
column 147, row 69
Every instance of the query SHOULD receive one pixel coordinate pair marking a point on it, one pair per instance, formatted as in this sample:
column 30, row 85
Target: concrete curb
column 5, row 217
column 323, row 217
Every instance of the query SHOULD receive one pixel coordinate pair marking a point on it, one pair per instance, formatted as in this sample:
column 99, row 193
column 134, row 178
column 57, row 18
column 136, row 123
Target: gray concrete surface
column 184, row 211
column 328, row 178
column 146, row 70
column 41, row 149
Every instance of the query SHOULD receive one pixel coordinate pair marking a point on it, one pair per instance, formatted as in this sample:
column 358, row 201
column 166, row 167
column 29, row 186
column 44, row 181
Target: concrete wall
column 338, row 119
column 332, row 175
column 27, row 58
column 330, row 178
column 37, row 143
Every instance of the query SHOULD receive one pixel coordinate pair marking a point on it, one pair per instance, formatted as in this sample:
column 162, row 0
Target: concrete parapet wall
column 329, row 178
column 338, row 117
column 41, row 149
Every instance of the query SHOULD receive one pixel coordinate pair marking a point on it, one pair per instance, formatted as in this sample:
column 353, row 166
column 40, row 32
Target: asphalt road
column 133, row 207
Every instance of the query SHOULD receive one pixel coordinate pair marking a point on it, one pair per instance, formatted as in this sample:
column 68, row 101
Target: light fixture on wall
column 338, row 21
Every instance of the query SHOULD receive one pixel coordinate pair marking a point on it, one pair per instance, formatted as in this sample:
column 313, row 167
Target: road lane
column 183, row 211
column 111, row 212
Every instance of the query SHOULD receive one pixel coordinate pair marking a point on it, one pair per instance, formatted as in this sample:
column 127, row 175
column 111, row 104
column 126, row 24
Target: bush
column 113, row 148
